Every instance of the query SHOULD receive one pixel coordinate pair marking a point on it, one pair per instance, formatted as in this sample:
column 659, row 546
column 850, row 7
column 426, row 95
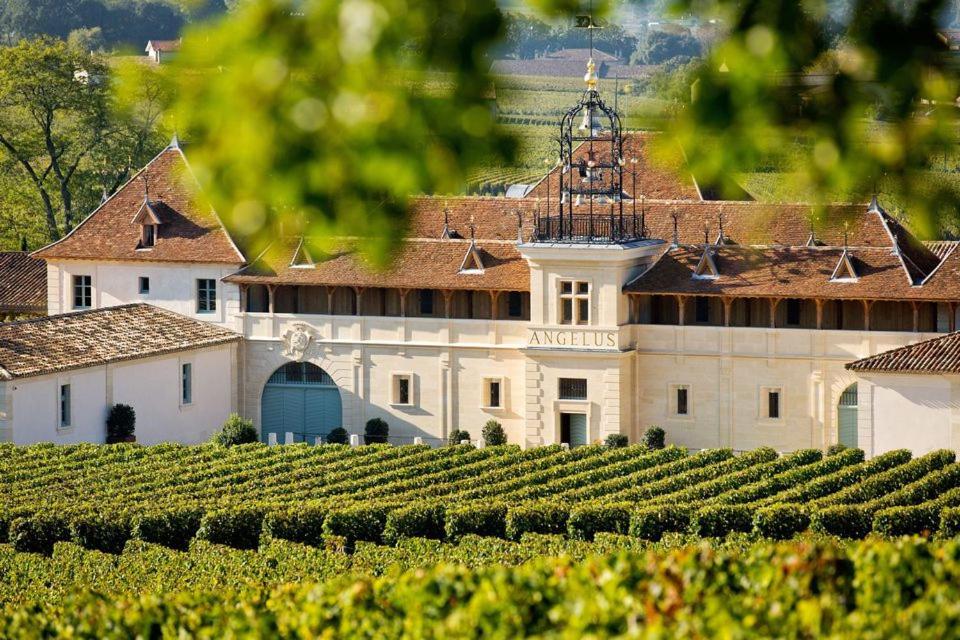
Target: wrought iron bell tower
column 589, row 205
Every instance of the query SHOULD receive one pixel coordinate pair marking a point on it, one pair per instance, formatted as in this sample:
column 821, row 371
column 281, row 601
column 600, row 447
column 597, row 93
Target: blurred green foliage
column 779, row 77
column 314, row 114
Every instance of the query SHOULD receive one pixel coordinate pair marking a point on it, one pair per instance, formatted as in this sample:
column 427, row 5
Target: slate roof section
column 189, row 231
column 420, row 264
column 937, row 355
column 100, row 336
column 23, row 283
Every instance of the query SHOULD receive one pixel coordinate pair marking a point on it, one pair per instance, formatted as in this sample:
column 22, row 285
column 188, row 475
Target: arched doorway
column 847, row 416
column 300, row 398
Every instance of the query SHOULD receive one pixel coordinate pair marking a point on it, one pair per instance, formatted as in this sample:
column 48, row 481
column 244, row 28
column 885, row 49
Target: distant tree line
column 109, row 24
column 528, row 37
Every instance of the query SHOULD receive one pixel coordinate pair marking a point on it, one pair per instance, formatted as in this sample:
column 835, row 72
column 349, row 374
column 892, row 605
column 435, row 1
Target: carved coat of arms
column 296, row 341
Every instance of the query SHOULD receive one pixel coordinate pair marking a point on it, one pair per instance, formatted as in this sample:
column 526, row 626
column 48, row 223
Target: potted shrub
column 493, row 434
column 236, row 430
column 376, row 431
column 457, row 435
column 120, row 424
column 338, row 435
column 654, row 438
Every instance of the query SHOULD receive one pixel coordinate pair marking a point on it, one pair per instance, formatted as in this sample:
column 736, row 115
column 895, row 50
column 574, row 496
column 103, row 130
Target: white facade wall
column 151, row 386
column 918, row 412
column 172, row 286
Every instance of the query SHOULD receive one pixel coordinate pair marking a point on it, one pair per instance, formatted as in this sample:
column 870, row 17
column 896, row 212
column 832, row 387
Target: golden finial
column 591, row 77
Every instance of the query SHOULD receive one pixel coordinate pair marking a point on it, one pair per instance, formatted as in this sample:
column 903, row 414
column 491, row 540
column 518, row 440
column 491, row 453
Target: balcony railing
column 597, row 228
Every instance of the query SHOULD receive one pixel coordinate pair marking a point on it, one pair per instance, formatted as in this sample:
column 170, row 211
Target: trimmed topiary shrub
column 834, row 449
column 650, row 523
column 949, row 523
column 457, row 435
column 493, row 434
column 173, row 528
column 780, row 521
column 487, row 519
column 536, row 517
column 843, row 521
column 235, row 431
column 923, row 519
column 302, row 523
column 361, row 523
column 100, row 532
column 588, row 520
column 719, row 520
column 338, row 436
column 239, row 528
column 121, row 421
column 419, row 520
column 654, row 438
column 38, row 534
column 376, row 431
column 617, row 440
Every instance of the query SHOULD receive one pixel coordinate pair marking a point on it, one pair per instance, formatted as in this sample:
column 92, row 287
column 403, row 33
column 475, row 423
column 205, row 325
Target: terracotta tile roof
column 164, row 45
column 100, row 336
column 661, row 179
column 937, row 355
column 420, row 264
column 789, row 272
column 23, row 283
column 190, row 232
column 492, row 218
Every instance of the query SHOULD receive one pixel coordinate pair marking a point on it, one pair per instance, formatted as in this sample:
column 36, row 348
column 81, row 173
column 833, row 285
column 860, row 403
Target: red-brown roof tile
column 190, row 231
column 420, row 264
column 100, row 336
column 23, row 283
column 938, row 355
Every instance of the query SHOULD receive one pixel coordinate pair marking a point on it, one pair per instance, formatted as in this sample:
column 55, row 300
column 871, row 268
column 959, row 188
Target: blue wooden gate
column 300, row 398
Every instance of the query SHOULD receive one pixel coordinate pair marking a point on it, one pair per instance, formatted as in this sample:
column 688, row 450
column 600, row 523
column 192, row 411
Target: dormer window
column 149, row 223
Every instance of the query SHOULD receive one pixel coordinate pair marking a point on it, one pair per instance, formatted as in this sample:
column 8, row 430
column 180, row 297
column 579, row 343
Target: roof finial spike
column 676, row 232
column 846, row 226
column 520, row 223
column 874, row 205
column 706, row 233
column 174, row 141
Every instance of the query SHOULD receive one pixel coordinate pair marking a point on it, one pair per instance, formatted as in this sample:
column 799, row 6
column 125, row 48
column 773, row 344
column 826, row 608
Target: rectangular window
column 573, row 389
column 773, row 403
column 82, row 292
column 494, row 393
column 144, row 285
column 65, row 405
column 402, row 392
column 514, row 304
column 426, row 302
column 703, row 309
column 149, row 235
column 206, row 295
column 574, row 302
column 793, row 312
column 682, row 398
column 186, row 383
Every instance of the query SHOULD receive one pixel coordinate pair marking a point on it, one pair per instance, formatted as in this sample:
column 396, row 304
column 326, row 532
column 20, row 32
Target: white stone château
column 614, row 296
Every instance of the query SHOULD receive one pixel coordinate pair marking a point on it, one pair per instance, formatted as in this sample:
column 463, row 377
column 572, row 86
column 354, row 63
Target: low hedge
column 923, row 519
column 588, row 520
column 364, row 523
column 101, row 532
column 717, row 521
column 949, row 523
column 650, row 523
column 239, row 528
column 843, row 521
column 537, row 517
column 781, row 521
column 303, row 524
column 173, row 528
column 419, row 520
column 478, row 519
column 38, row 533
